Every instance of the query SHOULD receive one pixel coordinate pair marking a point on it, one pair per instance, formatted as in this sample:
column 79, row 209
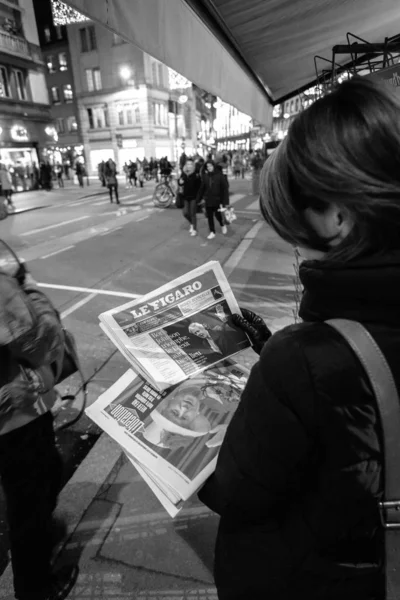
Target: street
column 90, row 255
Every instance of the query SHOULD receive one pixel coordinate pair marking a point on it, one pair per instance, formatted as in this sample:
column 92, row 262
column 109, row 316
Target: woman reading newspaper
column 300, row 470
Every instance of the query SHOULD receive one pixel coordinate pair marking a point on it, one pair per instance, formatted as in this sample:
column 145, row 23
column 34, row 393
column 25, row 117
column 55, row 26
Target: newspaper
column 180, row 329
column 172, row 437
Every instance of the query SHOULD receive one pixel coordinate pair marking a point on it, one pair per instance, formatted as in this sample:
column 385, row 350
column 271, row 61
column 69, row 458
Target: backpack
column 381, row 379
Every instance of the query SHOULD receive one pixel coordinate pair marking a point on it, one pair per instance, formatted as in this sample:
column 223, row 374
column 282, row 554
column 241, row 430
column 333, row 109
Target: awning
column 245, row 50
column 170, row 31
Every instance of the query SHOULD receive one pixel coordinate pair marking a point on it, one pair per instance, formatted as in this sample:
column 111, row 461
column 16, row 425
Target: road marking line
column 40, row 229
column 77, row 305
column 99, row 203
column 141, row 219
column 69, row 288
column 254, row 205
column 56, row 252
column 244, row 245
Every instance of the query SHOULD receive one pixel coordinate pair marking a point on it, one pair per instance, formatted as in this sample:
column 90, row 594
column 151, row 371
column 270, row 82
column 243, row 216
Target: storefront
column 64, row 155
column 22, row 146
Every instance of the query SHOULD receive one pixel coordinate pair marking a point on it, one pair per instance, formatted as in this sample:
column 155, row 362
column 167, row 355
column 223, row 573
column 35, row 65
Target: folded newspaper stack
column 170, row 412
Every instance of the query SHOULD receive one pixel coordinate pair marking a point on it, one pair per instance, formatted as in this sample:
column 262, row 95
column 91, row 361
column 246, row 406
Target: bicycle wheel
column 162, row 196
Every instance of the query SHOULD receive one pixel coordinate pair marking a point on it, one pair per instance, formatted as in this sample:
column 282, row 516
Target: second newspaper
column 180, row 329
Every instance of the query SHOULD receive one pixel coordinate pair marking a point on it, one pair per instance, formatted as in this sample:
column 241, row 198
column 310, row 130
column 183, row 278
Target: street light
column 125, row 73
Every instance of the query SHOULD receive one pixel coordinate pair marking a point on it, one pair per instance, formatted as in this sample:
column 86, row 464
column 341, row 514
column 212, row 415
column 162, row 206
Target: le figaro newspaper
column 172, row 437
column 180, row 329
column 171, row 411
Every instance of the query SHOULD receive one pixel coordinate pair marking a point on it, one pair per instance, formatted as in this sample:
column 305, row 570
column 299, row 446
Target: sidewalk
column 126, row 544
column 37, row 199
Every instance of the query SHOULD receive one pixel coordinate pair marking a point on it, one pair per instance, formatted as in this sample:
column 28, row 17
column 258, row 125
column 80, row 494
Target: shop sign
column 391, row 76
column 19, row 134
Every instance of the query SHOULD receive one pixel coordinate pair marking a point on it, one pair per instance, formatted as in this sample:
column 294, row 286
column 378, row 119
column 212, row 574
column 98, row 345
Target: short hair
column 343, row 149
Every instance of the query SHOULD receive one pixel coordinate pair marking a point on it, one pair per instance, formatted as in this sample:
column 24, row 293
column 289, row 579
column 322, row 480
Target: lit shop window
column 63, row 61
column 68, row 92
column 55, row 95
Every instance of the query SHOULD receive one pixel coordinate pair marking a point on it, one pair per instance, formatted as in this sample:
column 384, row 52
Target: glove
column 255, row 328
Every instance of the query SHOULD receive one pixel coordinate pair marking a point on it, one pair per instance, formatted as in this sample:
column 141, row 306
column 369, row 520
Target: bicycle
column 165, row 192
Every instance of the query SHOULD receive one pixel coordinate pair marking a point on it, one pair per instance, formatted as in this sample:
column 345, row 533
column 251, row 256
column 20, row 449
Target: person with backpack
column 300, row 474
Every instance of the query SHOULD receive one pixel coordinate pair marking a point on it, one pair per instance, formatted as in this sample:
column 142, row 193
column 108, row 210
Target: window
column 121, row 120
column 89, row 80
column 55, row 95
column 97, row 79
column 90, row 117
column 88, row 38
column 62, row 61
column 72, row 124
column 68, row 92
column 92, row 38
column 20, row 84
column 160, row 75
column 59, row 32
column 98, row 117
column 83, row 37
column 4, row 84
column 154, row 73
column 93, row 79
column 51, row 64
column 297, row 105
column 60, row 125
column 160, row 114
column 137, row 114
column 128, row 114
column 47, row 34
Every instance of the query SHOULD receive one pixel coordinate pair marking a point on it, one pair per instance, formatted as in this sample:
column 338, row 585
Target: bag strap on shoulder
column 384, row 387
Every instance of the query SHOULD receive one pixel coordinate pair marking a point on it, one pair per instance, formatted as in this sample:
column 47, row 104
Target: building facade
column 232, row 128
column 25, row 121
column 67, row 144
column 129, row 104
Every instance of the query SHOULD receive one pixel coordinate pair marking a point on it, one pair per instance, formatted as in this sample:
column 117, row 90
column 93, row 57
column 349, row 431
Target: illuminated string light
column 65, row 15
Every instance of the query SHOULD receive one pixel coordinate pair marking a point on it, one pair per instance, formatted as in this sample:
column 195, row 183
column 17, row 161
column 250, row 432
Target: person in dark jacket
column 31, row 342
column 189, row 185
column 300, row 473
column 112, row 179
column 214, row 190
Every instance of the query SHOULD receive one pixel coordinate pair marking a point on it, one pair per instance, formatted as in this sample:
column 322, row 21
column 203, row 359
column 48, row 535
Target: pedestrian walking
column 31, row 344
column 300, row 473
column 214, row 190
column 132, row 173
column 80, row 173
column 66, row 170
column 101, row 172
column 140, row 173
column 59, row 173
column 112, row 180
column 125, row 168
column 6, row 185
column 189, row 186
column 237, row 166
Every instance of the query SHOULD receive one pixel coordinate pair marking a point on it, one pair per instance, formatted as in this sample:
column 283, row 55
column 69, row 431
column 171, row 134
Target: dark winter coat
column 190, row 185
column 214, row 189
column 299, row 475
